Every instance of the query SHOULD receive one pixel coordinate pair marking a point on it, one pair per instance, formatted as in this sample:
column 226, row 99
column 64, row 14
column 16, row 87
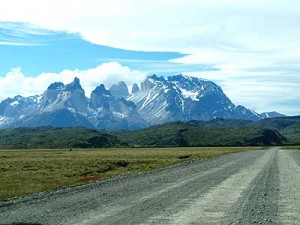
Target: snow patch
column 151, row 80
column 160, row 111
column 15, row 103
column 119, row 114
column 2, row 120
column 38, row 98
column 100, row 108
column 150, row 97
column 190, row 94
column 72, row 110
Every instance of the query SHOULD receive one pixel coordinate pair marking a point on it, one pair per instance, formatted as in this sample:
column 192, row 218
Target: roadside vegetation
column 24, row 172
column 296, row 147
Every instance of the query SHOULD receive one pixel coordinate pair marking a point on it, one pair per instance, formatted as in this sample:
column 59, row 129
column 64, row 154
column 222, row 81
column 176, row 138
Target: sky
column 249, row 48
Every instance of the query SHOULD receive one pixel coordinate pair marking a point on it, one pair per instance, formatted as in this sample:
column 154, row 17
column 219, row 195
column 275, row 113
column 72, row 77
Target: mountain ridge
column 158, row 100
column 183, row 98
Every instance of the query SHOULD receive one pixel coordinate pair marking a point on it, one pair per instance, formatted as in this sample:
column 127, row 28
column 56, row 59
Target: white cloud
column 168, row 24
column 17, row 83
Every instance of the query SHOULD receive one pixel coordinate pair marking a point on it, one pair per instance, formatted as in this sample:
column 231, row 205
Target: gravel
column 251, row 187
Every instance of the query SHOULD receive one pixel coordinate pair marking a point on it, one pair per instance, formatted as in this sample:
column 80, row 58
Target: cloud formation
column 168, row 24
column 17, row 83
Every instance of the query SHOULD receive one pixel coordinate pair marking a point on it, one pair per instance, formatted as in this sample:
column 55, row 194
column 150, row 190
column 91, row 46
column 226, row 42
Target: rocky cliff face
column 119, row 90
column 113, row 113
column 135, row 88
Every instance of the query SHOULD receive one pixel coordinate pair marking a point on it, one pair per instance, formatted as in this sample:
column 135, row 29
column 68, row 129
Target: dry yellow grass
column 24, row 172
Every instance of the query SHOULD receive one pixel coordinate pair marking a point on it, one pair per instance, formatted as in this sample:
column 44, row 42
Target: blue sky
column 251, row 49
column 38, row 50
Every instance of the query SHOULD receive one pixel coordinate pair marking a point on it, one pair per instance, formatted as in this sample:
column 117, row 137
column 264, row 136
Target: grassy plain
column 24, row 172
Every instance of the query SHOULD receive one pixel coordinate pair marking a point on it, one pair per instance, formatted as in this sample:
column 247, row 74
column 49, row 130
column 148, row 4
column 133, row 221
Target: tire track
column 258, row 204
column 289, row 194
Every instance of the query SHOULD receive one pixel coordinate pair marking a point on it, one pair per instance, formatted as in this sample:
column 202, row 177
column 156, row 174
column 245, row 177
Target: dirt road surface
column 251, row 187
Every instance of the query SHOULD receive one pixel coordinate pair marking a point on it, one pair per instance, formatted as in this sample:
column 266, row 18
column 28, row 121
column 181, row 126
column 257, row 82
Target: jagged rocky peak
column 135, row 88
column 18, row 98
column 119, row 90
column 99, row 97
column 56, row 86
column 101, row 90
column 178, row 77
column 113, row 113
column 193, row 83
column 150, row 82
column 155, row 77
column 74, row 85
column 60, row 96
column 11, row 102
column 18, row 107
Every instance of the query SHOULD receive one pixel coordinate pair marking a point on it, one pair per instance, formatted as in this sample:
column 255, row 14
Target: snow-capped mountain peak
column 184, row 98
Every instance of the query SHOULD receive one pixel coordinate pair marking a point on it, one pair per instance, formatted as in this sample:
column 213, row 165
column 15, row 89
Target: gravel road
column 251, row 187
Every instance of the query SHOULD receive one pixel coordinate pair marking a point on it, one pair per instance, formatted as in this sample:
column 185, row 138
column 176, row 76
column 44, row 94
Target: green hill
column 185, row 134
column 289, row 127
column 49, row 137
column 278, row 123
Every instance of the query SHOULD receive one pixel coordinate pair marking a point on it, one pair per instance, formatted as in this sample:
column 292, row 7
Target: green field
column 24, row 172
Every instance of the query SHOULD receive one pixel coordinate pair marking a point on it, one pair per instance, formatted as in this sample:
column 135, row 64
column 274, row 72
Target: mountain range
column 156, row 100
